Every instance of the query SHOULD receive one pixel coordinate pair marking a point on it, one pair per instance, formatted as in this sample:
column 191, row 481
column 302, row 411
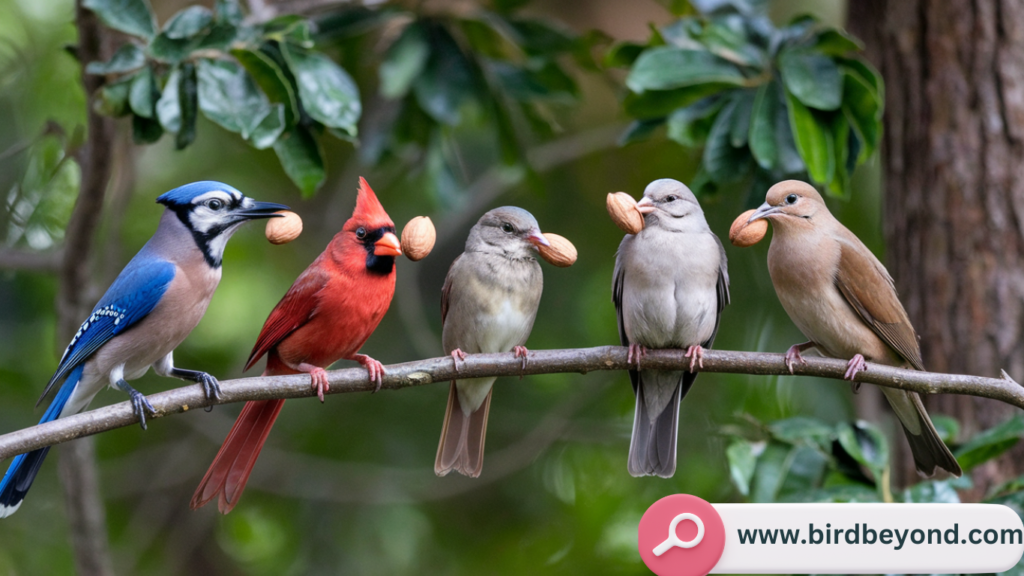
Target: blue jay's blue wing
column 134, row 294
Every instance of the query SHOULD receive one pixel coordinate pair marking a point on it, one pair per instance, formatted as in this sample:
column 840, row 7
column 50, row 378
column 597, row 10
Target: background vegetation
column 448, row 109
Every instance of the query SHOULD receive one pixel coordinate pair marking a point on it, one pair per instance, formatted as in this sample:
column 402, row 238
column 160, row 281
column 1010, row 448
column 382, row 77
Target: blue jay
column 151, row 307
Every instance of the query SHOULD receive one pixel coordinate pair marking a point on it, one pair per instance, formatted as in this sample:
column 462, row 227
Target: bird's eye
column 360, row 232
column 215, row 204
column 791, row 199
column 670, row 198
column 508, row 228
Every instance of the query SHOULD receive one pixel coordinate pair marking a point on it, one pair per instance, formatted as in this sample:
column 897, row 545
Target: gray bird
column 842, row 298
column 671, row 282
column 488, row 304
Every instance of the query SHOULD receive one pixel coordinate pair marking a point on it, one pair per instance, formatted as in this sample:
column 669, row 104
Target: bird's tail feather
column 25, row 467
column 930, row 452
column 230, row 469
column 652, row 449
column 462, row 438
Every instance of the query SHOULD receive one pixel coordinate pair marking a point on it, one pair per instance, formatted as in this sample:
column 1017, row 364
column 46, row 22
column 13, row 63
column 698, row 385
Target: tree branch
column 441, row 369
column 18, row 259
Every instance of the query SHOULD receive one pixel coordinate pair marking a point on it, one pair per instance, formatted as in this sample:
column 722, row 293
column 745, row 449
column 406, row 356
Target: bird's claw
column 140, row 405
column 855, row 365
column 793, row 356
column 318, row 381
column 211, row 388
column 636, row 352
column 457, row 356
column 521, row 352
column 375, row 368
column 696, row 356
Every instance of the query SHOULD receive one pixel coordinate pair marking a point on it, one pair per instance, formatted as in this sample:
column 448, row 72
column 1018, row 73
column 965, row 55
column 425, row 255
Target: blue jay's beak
column 262, row 210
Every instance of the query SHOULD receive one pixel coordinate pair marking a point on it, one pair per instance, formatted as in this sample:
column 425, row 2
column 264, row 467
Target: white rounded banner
column 869, row 538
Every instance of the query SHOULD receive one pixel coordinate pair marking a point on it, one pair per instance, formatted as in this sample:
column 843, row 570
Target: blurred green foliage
column 455, row 102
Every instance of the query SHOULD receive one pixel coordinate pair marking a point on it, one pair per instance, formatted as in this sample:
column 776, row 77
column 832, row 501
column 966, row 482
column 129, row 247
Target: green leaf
column 549, row 82
column 812, row 77
column 143, row 93
column 112, row 99
column 168, row 108
column 623, row 54
column 188, row 100
column 947, row 427
column 742, row 457
column 841, row 493
column 661, row 103
column 301, row 158
column 188, row 22
column 863, row 111
column 270, row 128
column 763, row 138
column 770, row 472
column 813, row 141
column 127, row 58
column 691, row 125
column 167, row 49
column 447, row 81
column 271, row 79
column 741, row 119
column 801, row 430
column 485, row 40
column 724, row 163
column 836, row 43
column 145, row 130
column 990, row 443
column 404, row 62
column 667, row 67
column 326, row 92
column 228, row 96
column 866, row 444
column 133, row 17
column 840, row 134
column 868, row 73
column 228, row 11
column 539, row 38
column 640, row 130
column 807, row 467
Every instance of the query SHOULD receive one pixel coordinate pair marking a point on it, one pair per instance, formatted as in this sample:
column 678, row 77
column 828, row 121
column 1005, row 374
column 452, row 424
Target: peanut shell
column 418, row 238
column 284, row 229
column 743, row 233
column 622, row 208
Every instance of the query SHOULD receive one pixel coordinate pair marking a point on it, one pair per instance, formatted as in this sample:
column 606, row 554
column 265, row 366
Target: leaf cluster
column 263, row 81
column 766, row 103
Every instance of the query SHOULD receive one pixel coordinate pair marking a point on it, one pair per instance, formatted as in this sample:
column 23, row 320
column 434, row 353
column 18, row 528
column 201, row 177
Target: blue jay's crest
column 212, row 211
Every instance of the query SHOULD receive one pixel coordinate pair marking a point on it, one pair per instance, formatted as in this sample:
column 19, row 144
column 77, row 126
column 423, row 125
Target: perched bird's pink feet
column 793, row 354
column 636, row 352
column 458, row 355
column 856, row 364
column 521, row 352
column 696, row 356
column 318, row 380
column 375, row 368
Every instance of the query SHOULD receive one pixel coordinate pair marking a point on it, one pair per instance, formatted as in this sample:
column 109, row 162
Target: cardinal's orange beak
column 388, row 245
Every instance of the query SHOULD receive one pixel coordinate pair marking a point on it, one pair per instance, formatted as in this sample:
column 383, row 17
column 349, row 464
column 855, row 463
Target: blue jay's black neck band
column 374, row 263
column 203, row 239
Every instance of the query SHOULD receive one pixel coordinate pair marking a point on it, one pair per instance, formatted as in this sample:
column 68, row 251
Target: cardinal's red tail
column 231, row 468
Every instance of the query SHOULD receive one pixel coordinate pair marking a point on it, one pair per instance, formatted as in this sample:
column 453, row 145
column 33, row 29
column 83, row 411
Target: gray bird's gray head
column 212, row 212
column 671, row 205
column 509, row 231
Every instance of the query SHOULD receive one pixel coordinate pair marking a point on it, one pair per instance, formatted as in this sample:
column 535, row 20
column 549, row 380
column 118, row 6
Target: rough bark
column 954, row 191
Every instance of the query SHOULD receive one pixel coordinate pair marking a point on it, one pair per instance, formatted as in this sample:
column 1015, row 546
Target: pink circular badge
column 681, row 535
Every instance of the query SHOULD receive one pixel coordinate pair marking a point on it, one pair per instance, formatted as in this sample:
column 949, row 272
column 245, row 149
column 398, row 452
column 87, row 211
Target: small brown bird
column 842, row 298
column 488, row 304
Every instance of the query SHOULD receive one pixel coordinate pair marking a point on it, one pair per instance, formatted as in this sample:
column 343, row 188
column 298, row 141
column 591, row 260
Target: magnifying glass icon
column 674, row 540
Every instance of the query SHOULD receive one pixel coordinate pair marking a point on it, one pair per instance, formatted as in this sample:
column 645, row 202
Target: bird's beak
column 763, row 211
column 388, row 245
column 262, row 210
column 645, row 206
column 537, row 239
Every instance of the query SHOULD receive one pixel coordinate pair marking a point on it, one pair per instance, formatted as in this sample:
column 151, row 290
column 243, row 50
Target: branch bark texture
column 418, row 373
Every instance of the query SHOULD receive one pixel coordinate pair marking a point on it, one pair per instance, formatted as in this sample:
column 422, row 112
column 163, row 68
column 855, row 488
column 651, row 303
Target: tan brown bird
column 842, row 298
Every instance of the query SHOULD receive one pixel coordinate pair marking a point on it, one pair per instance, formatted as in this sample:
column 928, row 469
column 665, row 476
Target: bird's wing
column 618, row 281
column 294, row 310
column 722, row 289
column 132, row 296
column 869, row 289
column 446, row 290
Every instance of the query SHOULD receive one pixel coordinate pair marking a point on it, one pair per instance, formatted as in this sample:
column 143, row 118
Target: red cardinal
column 327, row 315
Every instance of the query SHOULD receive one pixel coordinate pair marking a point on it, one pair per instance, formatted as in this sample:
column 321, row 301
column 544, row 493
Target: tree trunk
column 954, row 189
